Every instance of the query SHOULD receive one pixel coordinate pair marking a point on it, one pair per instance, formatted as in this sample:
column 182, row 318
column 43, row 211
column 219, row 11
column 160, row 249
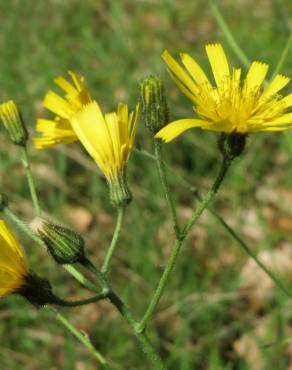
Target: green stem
column 183, row 181
column 178, row 243
column 209, row 197
column 99, row 275
column 253, row 255
column 228, row 34
column 82, row 337
column 32, row 188
column 61, row 302
column 146, row 345
column 283, row 56
column 161, row 285
column 163, row 178
column 81, row 278
column 112, row 247
column 116, row 301
column 27, row 230
column 236, row 237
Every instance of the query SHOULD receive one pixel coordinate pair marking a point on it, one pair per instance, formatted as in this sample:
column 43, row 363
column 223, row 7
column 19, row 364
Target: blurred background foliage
column 220, row 311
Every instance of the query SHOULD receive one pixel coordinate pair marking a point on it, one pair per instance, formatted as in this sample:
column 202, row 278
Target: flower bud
column 154, row 105
column 65, row 245
column 13, row 123
column 231, row 145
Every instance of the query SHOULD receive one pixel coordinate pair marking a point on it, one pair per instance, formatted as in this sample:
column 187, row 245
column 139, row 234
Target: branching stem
column 82, row 337
column 178, row 243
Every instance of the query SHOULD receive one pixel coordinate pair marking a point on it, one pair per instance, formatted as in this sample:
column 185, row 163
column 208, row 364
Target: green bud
column 120, row 194
column 64, row 245
column 13, row 123
column 37, row 291
column 154, row 104
column 231, row 145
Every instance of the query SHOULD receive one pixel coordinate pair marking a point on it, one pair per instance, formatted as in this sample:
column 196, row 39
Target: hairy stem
column 112, row 247
column 163, row 178
column 82, row 337
column 253, row 255
column 227, row 227
column 161, row 285
column 178, row 243
column 26, row 164
column 209, row 196
column 61, row 302
column 116, row 301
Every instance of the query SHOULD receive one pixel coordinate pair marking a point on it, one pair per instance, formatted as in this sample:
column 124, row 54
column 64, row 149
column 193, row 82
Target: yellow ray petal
column 195, row 70
column 255, row 77
column 91, row 129
column 174, row 129
column 277, row 84
column 57, row 105
column 112, row 122
column 184, row 89
column 179, row 72
column 123, row 122
column 134, row 122
column 12, row 260
column 287, row 101
column 78, row 80
column 53, row 132
column 65, row 85
column 218, row 62
column 10, row 239
column 284, row 119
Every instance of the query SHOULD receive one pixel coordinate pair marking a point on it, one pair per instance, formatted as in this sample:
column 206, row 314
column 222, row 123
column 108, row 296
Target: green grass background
column 114, row 44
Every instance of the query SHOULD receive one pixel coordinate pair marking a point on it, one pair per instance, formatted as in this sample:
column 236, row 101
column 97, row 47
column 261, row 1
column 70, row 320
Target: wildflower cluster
column 232, row 106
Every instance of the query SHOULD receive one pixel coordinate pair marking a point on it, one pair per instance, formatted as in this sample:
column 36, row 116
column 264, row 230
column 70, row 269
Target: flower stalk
column 26, row 164
column 163, row 177
column 117, row 302
column 114, row 241
column 226, row 162
column 81, row 336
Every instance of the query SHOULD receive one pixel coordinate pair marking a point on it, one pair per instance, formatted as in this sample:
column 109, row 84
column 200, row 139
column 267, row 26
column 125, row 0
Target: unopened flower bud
column 154, row 105
column 13, row 123
column 65, row 245
column 231, row 145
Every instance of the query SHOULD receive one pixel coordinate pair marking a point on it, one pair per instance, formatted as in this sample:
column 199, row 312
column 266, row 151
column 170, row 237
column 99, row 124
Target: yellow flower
column 107, row 138
column 231, row 106
column 13, row 269
column 59, row 130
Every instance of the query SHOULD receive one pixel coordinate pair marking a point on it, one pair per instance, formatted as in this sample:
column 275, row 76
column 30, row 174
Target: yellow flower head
column 107, row 138
column 232, row 105
column 59, row 130
column 13, row 269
